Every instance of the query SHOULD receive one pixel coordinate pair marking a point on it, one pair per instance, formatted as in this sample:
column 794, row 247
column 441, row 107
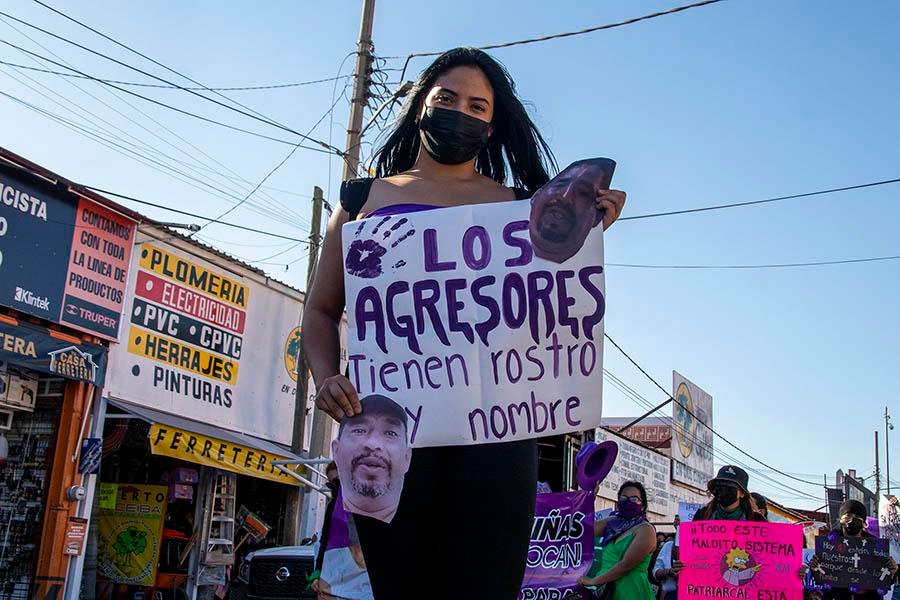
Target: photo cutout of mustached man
column 372, row 454
column 564, row 210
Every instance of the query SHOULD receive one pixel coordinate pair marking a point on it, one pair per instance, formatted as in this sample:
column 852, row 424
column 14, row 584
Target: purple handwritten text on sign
column 562, row 545
column 453, row 316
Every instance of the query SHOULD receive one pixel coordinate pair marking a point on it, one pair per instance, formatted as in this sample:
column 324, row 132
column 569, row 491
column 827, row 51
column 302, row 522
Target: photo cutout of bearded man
column 564, row 210
column 372, row 454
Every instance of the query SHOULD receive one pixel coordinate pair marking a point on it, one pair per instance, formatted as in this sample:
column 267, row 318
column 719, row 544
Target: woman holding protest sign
column 731, row 500
column 627, row 541
column 462, row 130
column 852, row 524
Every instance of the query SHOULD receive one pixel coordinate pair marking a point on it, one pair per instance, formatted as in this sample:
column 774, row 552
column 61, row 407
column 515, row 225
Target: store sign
column 62, row 260
column 106, row 495
column 206, row 344
column 76, row 530
column 636, row 463
column 40, row 349
column 130, row 534
column 89, row 459
column 219, row 454
column 692, row 448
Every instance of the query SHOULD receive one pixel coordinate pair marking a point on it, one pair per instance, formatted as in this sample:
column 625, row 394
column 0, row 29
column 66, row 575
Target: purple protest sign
column 562, row 546
column 872, row 526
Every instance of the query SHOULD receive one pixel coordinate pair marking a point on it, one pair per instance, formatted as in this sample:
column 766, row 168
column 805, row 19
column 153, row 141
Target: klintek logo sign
column 31, row 299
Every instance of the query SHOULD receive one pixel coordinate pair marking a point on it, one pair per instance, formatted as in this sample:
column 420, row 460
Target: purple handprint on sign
column 364, row 256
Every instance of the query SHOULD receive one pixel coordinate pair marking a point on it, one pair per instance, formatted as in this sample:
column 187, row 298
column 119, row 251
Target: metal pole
column 887, row 449
column 643, row 416
column 361, row 81
column 877, row 469
column 302, row 390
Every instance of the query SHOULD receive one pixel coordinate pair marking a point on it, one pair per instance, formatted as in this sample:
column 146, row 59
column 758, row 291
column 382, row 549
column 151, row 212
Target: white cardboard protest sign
column 453, row 316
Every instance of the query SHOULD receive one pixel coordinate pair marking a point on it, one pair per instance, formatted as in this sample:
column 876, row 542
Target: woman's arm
column 321, row 326
column 642, row 545
column 600, row 527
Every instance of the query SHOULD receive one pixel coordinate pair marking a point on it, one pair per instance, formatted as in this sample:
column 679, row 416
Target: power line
column 190, row 214
column 272, row 171
column 769, row 266
column 168, row 106
column 146, row 160
column 765, row 201
column 178, row 147
column 717, row 434
column 636, row 397
column 555, row 36
column 173, row 87
column 262, row 119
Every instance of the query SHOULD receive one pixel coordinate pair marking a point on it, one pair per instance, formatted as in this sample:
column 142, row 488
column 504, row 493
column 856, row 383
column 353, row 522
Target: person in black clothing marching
column 731, row 500
column 852, row 524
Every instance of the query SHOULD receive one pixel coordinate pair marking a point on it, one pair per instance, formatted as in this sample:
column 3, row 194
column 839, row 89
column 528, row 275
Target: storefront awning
column 203, row 444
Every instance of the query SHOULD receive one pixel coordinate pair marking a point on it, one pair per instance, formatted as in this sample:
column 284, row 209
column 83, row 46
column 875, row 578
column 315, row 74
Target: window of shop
column 24, row 477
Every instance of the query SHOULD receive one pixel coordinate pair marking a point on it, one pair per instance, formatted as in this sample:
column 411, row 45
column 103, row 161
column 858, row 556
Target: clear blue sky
column 736, row 101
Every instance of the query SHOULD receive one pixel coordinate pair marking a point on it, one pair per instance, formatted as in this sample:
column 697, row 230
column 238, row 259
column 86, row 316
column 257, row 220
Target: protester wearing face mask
column 731, row 501
column 760, row 504
column 461, row 138
column 627, row 541
column 852, row 524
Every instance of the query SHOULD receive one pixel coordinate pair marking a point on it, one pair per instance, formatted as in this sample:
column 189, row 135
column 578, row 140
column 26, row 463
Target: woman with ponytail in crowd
column 626, row 543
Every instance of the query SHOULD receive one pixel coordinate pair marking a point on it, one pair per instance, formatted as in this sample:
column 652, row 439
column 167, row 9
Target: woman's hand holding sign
column 337, row 397
column 610, row 203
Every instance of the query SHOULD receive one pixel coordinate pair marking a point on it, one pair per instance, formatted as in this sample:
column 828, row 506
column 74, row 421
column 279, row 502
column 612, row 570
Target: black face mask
column 725, row 495
column 853, row 527
column 451, row 137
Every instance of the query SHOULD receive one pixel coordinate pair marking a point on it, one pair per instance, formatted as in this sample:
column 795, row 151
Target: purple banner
column 562, row 546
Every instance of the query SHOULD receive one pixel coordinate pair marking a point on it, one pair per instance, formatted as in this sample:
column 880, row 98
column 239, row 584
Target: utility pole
column 361, row 82
column 302, row 390
column 887, row 449
column 362, row 79
column 877, row 469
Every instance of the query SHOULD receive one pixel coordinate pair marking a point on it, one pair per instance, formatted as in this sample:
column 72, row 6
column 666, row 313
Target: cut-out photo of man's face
column 372, row 454
column 564, row 211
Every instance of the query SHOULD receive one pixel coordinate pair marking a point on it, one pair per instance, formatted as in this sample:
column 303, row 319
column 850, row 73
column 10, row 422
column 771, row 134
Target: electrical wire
column 155, row 62
column 135, row 155
column 172, row 87
column 272, row 171
column 764, row 201
column 136, row 152
column 168, row 106
column 769, row 266
column 636, row 397
column 189, row 214
column 556, row 36
column 276, row 215
column 717, row 434
column 262, row 119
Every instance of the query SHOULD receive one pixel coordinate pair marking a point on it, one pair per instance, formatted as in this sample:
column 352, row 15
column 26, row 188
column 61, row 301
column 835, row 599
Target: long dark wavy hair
column 515, row 139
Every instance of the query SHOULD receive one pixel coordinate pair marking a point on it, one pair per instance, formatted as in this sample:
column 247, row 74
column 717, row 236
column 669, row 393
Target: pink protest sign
column 740, row 559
